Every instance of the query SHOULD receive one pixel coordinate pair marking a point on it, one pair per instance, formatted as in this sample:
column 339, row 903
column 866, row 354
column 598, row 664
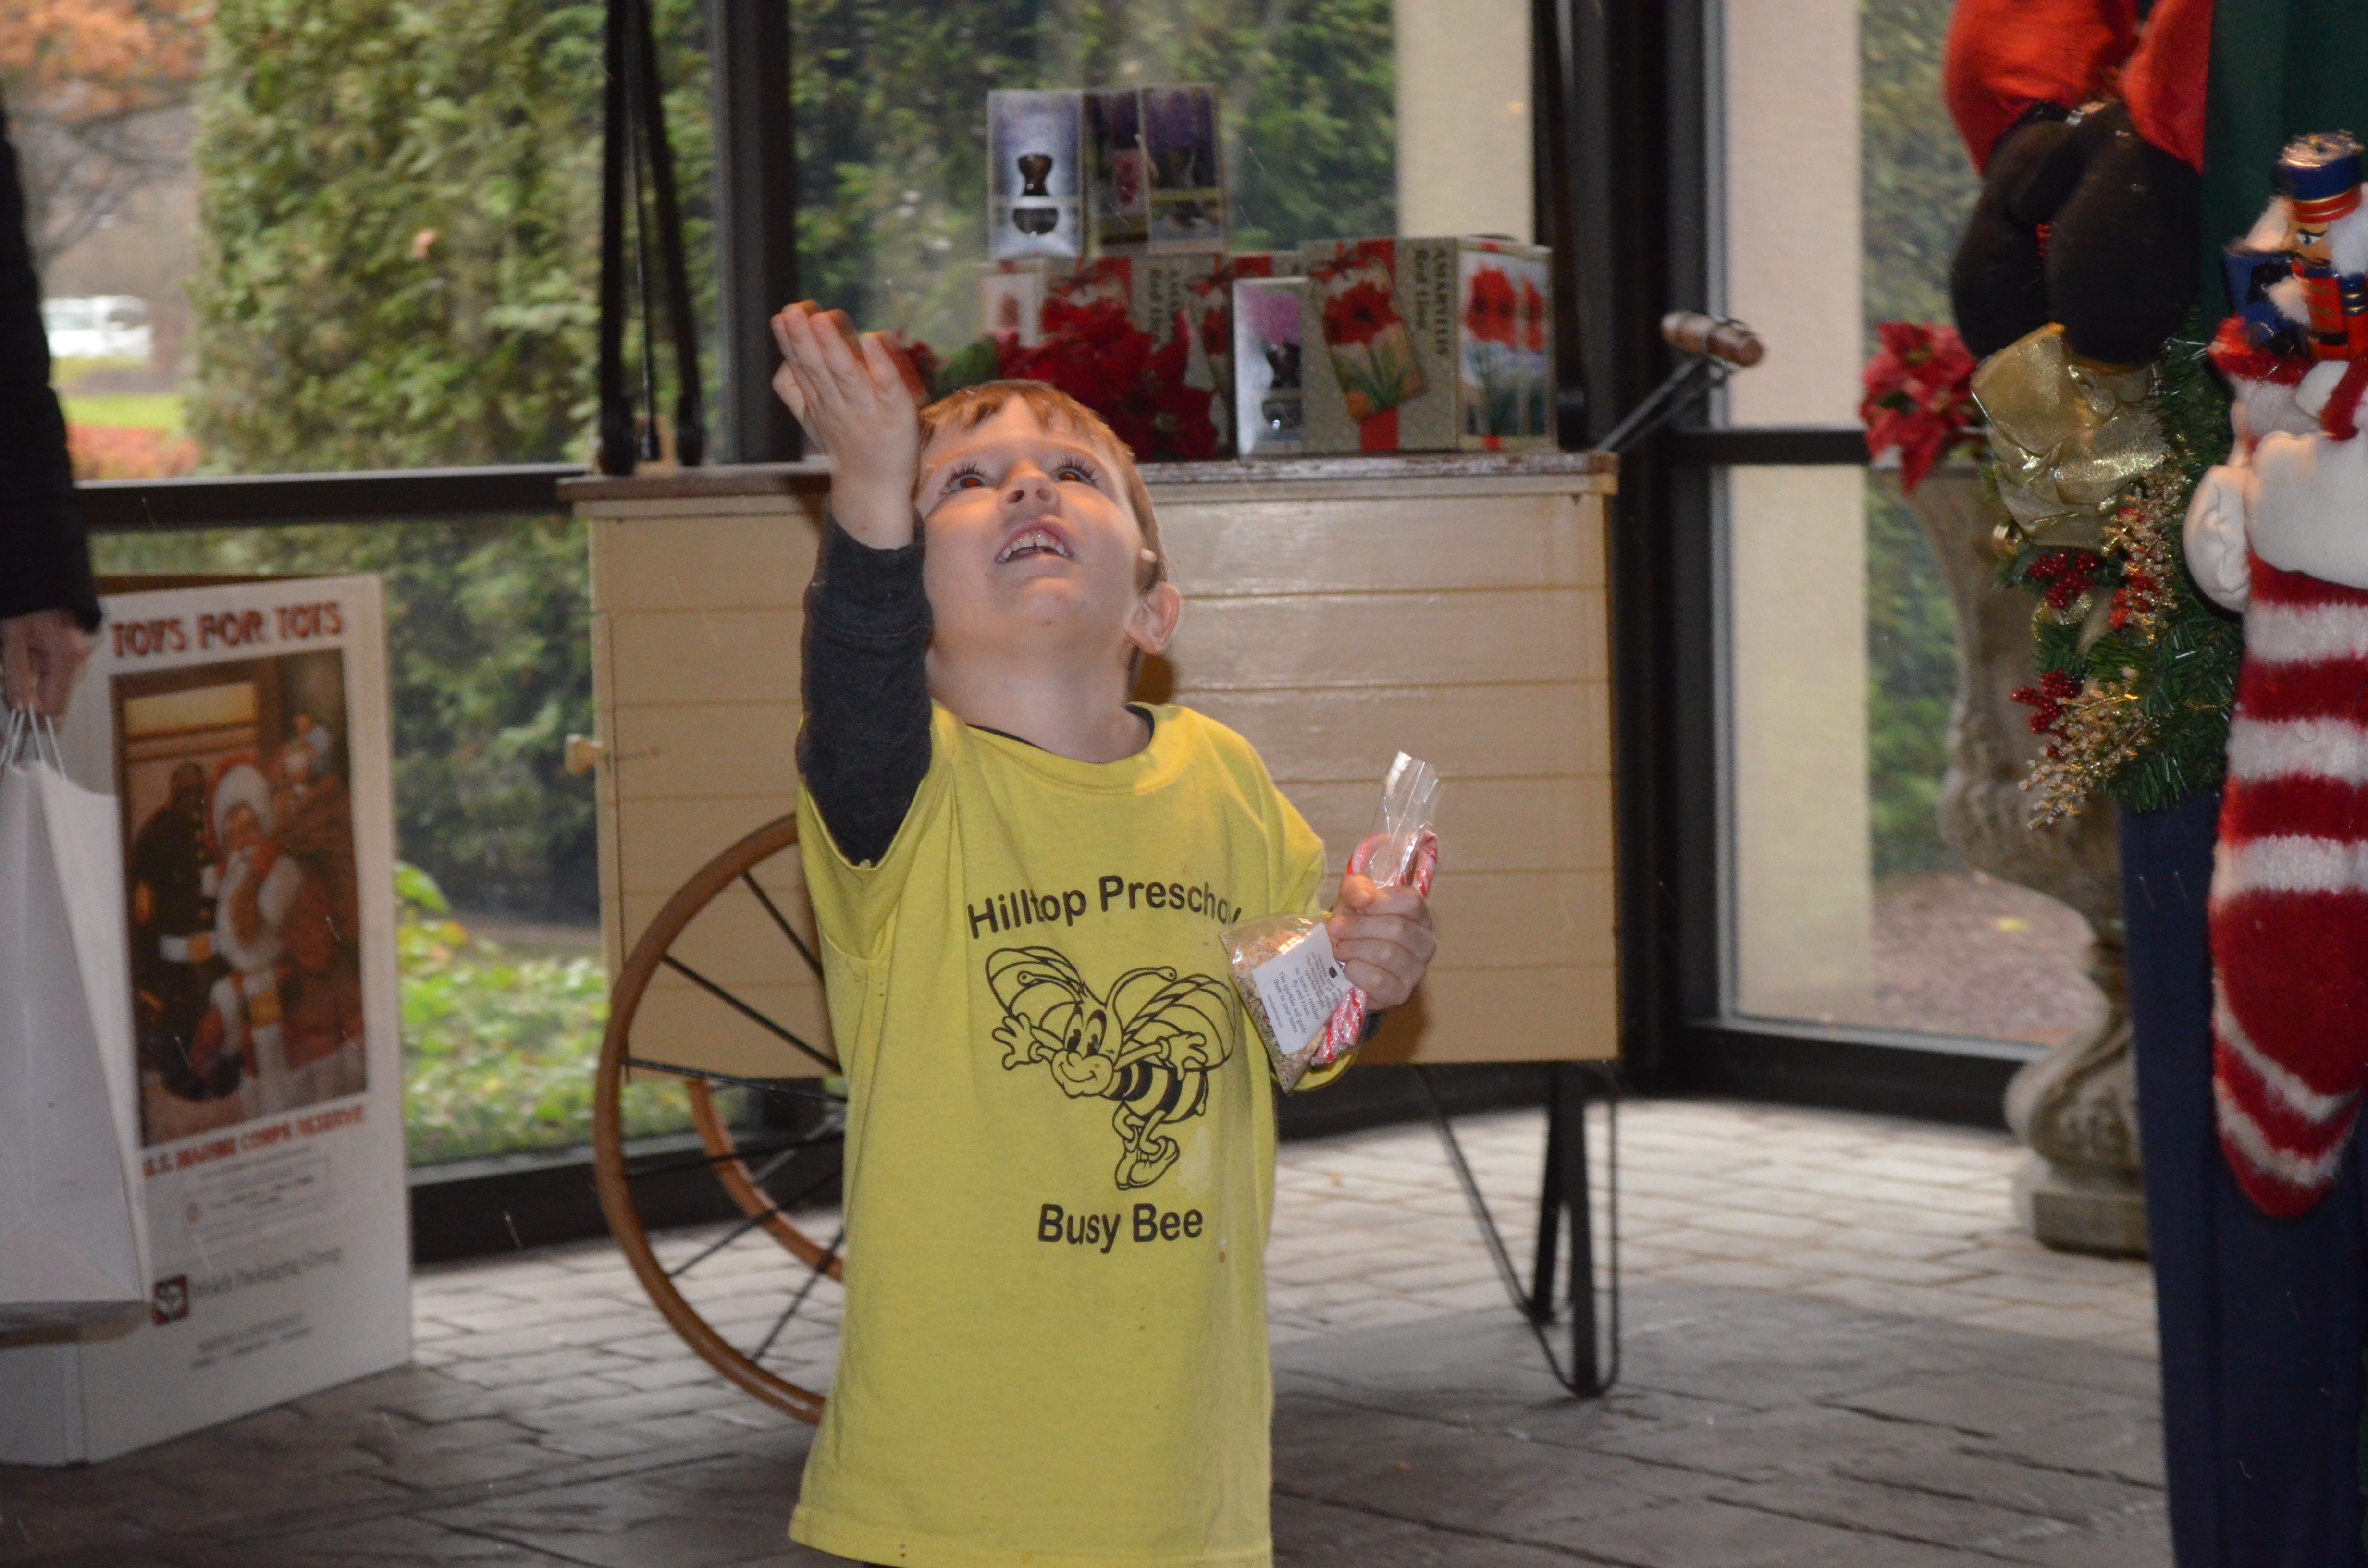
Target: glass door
column 1840, row 188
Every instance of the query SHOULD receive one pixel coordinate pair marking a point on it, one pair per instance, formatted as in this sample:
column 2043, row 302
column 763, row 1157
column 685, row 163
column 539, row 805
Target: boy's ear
column 1152, row 623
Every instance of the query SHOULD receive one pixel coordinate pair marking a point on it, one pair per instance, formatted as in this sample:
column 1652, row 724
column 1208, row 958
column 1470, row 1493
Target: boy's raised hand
column 1383, row 938
column 858, row 398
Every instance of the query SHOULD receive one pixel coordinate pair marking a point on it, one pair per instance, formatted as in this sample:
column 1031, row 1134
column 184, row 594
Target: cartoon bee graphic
column 1149, row 1047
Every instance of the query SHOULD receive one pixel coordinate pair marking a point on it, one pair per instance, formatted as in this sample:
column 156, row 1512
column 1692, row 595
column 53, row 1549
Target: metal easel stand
column 1594, row 1356
column 1709, row 350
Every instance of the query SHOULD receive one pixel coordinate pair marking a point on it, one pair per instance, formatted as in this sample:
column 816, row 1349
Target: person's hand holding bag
column 1384, row 938
column 40, row 655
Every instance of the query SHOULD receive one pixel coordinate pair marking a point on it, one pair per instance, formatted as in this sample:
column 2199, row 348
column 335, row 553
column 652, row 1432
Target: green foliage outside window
column 1912, row 680
column 1916, row 187
column 401, row 240
column 400, row 269
column 499, row 1047
column 489, row 661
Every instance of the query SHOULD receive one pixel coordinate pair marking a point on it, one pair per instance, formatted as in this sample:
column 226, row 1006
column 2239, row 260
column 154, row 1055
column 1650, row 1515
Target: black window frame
column 1636, row 77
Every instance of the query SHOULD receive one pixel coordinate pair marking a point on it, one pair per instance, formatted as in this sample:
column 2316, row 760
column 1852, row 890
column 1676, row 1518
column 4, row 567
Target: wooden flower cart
column 1487, row 575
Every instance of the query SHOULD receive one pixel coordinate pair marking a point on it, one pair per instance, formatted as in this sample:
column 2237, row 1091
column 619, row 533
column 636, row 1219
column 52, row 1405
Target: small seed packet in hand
column 1291, row 982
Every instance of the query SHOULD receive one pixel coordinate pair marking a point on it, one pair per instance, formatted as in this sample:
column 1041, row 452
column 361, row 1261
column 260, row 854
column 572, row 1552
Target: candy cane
column 1346, row 1029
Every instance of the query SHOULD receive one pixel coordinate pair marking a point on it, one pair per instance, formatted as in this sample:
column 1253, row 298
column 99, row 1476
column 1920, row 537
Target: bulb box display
column 1156, row 175
column 1268, row 320
column 1209, row 313
column 1118, row 190
column 1012, row 295
column 1427, row 345
column 1181, row 299
column 1036, row 176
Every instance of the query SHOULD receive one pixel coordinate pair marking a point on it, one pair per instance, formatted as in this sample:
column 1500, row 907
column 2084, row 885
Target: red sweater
column 2005, row 55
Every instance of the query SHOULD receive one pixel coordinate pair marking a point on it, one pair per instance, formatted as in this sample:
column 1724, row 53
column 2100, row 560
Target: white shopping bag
column 74, row 1233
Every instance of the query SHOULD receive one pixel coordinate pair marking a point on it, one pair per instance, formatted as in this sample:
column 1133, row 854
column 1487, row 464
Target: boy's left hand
column 1384, row 938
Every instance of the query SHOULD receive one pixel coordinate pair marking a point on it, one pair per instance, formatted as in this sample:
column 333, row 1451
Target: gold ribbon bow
column 2068, row 436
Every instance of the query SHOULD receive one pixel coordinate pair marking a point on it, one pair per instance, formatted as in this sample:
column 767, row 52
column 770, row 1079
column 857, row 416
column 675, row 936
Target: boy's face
column 1032, row 545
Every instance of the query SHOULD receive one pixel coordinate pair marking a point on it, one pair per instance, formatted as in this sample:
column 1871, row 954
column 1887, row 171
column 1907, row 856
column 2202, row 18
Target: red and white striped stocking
column 2289, row 904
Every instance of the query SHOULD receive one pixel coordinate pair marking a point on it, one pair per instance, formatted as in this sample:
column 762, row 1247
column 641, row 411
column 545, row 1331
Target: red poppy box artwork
column 1504, row 378
column 1430, row 344
column 1375, row 370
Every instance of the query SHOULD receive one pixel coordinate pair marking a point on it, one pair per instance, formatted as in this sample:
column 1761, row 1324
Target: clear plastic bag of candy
column 1293, row 987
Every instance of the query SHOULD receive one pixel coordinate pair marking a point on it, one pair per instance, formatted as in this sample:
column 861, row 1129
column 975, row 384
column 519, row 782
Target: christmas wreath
column 2137, row 670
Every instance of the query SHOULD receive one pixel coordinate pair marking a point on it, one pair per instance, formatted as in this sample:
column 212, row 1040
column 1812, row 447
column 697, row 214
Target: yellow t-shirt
column 1060, row 1157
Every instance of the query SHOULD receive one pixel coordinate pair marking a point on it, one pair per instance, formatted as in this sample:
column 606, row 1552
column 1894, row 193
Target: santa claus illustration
column 289, row 1005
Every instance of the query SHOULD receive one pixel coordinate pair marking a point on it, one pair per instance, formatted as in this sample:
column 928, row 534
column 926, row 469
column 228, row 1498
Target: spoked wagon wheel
column 727, row 968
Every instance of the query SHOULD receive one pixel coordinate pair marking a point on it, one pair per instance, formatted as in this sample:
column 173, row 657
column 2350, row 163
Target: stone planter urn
column 2077, row 1106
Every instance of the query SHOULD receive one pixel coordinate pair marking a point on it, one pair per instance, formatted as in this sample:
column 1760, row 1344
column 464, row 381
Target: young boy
column 1060, row 1133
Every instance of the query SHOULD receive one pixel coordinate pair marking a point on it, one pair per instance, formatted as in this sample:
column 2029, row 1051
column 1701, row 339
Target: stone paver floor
column 1838, row 1350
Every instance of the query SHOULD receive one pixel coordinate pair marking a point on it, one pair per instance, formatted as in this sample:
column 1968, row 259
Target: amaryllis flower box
column 1427, row 345
column 1180, row 300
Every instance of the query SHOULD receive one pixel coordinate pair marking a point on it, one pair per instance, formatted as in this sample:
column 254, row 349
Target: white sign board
column 243, row 730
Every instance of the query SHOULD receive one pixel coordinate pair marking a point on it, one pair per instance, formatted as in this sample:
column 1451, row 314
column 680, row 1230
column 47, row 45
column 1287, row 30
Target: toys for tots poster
column 243, row 730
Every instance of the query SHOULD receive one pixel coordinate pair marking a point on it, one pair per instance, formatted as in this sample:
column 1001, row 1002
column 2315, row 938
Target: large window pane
column 1340, row 118
column 289, row 235
column 1845, row 907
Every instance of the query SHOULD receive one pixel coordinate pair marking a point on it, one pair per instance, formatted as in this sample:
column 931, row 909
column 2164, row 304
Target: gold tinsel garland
column 2104, row 728
column 2095, row 736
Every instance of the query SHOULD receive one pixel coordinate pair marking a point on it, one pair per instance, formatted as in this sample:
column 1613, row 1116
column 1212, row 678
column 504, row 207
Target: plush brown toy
column 2089, row 135
column 2081, row 221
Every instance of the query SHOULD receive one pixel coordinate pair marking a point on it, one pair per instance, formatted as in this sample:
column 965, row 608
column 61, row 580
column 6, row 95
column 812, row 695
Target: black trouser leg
column 2262, row 1321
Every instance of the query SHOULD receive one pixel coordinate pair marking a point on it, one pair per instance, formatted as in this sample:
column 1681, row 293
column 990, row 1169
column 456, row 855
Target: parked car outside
column 98, row 327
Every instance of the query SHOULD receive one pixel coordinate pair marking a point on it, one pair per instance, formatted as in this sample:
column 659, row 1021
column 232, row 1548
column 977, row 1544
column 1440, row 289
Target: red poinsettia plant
column 1919, row 399
column 1092, row 350
column 1096, row 355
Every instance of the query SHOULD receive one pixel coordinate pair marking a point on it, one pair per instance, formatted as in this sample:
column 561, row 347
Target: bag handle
column 23, row 740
